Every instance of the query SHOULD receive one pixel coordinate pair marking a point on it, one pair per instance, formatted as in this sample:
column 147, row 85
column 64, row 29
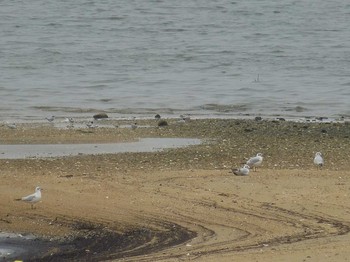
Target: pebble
column 100, row 116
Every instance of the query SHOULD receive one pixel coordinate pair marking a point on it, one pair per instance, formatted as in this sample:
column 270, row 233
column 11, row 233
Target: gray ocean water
column 207, row 58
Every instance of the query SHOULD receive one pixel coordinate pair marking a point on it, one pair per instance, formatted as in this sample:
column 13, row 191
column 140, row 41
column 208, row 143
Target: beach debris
column 100, row 116
column 255, row 161
column 318, row 160
column 66, row 176
column 33, row 198
column 242, row 171
column 11, row 125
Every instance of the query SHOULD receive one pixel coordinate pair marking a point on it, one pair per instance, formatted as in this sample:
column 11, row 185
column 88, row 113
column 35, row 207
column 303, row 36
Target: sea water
column 199, row 57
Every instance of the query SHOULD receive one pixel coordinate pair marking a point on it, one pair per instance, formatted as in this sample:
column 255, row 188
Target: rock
column 321, row 118
column 100, row 116
column 162, row 123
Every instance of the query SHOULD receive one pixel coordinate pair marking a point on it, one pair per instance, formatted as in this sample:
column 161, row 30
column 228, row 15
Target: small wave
column 98, row 87
column 225, row 108
column 174, row 30
column 54, row 24
column 115, row 18
column 106, row 100
column 65, row 109
column 298, row 109
column 278, row 51
column 20, row 67
column 122, row 111
column 50, row 51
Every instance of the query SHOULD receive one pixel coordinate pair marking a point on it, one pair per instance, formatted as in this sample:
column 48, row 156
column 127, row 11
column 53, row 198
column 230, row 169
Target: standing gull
column 69, row 120
column 243, row 171
column 255, row 161
column 91, row 124
column 318, row 160
column 33, row 198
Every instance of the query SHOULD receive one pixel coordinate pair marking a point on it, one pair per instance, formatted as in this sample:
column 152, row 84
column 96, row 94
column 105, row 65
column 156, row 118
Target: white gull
column 255, row 161
column 33, row 198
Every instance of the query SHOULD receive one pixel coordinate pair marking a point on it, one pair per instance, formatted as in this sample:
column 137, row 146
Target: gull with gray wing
column 255, row 161
column 318, row 160
column 33, row 198
column 242, row 171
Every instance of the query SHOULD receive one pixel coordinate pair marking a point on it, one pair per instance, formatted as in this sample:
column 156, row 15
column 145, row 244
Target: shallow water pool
column 60, row 150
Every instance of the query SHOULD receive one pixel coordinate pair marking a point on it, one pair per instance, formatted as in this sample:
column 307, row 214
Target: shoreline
column 228, row 142
column 85, row 118
column 286, row 202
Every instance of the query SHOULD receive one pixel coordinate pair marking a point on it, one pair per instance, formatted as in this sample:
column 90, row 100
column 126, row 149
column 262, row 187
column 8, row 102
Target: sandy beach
column 184, row 204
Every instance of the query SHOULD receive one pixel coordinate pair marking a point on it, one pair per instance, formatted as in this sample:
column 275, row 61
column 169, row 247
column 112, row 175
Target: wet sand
column 185, row 204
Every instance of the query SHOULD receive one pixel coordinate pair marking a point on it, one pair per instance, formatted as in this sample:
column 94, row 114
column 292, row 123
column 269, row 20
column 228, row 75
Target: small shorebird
column 134, row 126
column 91, row 124
column 318, row 160
column 243, row 171
column 185, row 118
column 255, row 161
column 33, row 198
column 50, row 119
column 69, row 120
